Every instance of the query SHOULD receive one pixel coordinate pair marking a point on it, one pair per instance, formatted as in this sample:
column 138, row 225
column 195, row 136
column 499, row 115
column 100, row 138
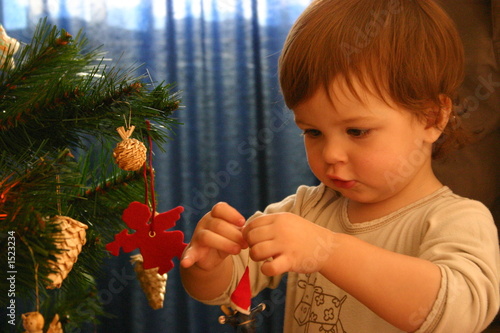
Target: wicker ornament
column 153, row 284
column 8, row 46
column 33, row 322
column 55, row 325
column 70, row 240
column 129, row 154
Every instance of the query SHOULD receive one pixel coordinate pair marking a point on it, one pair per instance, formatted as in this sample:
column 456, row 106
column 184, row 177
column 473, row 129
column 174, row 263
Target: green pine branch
column 59, row 110
column 76, row 95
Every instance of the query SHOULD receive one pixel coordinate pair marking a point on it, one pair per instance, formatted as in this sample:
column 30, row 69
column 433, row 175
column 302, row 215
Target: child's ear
column 438, row 117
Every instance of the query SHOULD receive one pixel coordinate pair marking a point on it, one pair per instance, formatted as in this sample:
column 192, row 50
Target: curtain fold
column 238, row 142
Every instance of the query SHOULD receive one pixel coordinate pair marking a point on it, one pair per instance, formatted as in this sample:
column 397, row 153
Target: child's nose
column 334, row 152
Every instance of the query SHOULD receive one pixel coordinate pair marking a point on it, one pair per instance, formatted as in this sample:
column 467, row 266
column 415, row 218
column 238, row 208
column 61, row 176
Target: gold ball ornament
column 129, row 154
column 153, row 284
column 70, row 240
column 33, row 322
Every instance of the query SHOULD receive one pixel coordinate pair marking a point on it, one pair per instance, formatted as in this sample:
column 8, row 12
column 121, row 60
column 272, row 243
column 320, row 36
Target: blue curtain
column 237, row 143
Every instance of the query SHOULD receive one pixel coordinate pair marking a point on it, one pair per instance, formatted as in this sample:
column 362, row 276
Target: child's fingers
column 222, row 243
column 191, row 256
column 227, row 213
column 276, row 266
column 264, row 250
column 217, row 235
column 259, row 230
column 222, row 228
column 209, row 249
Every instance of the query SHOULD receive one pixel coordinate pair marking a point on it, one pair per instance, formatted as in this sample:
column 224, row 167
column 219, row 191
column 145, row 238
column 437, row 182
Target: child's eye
column 356, row 132
column 311, row 133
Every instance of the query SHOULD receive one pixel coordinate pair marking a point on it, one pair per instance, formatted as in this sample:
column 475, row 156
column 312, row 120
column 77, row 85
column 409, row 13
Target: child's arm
column 401, row 289
column 206, row 267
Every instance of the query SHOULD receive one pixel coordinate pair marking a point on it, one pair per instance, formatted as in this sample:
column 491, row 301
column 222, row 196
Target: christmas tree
column 62, row 193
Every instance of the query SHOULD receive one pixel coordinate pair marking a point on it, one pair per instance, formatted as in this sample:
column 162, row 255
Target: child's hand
column 293, row 243
column 217, row 235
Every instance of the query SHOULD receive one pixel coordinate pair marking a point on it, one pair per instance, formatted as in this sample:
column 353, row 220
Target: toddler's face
column 367, row 150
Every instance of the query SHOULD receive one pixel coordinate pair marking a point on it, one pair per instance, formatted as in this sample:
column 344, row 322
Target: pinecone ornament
column 153, row 284
column 33, row 322
column 129, row 154
column 70, row 240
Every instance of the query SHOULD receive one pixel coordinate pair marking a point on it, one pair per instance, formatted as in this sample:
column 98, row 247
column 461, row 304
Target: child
column 380, row 245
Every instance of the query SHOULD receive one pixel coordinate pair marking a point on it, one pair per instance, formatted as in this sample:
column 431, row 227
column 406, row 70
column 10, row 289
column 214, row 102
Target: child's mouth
column 345, row 184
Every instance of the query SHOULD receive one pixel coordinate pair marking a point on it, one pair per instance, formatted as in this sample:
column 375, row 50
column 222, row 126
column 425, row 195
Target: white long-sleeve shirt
column 455, row 233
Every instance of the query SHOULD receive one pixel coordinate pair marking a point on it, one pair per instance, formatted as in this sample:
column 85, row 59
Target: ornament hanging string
column 129, row 122
column 37, row 296
column 58, row 192
column 151, row 178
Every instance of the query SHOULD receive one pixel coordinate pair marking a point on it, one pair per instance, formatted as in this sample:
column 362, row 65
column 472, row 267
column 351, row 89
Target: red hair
column 405, row 51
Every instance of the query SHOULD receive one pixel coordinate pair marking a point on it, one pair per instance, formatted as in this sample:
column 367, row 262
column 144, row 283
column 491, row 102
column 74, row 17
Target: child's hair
column 407, row 50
